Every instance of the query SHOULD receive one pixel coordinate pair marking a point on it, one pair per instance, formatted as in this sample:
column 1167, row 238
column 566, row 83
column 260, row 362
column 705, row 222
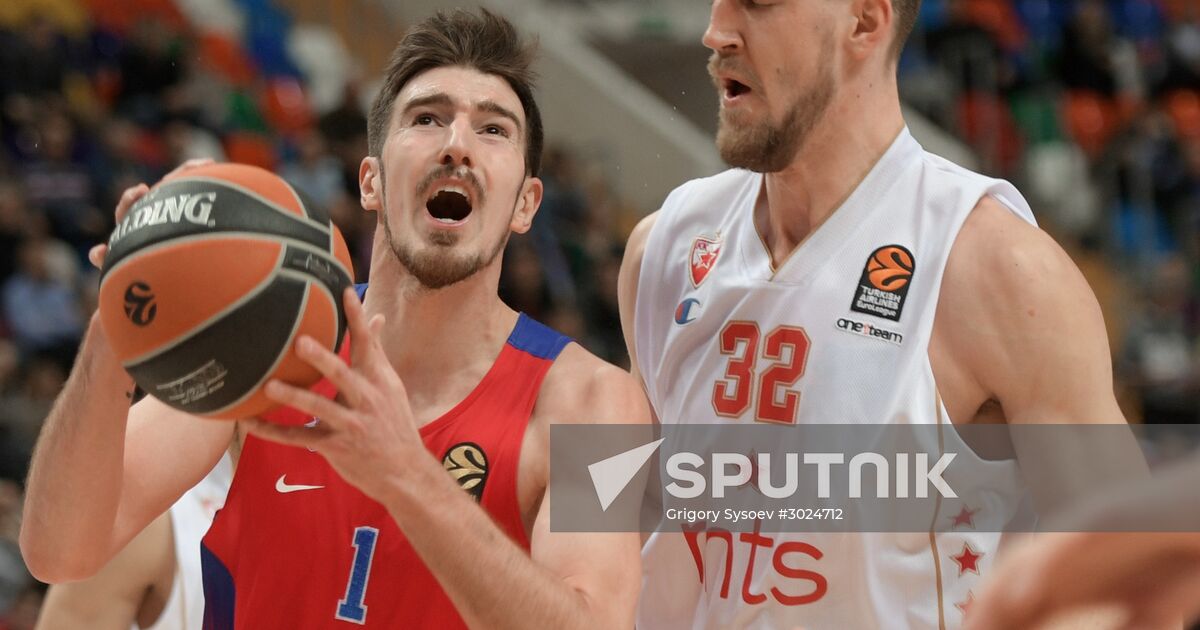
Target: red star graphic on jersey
column 965, row 606
column 968, row 559
column 704, row 256
column 965, row 517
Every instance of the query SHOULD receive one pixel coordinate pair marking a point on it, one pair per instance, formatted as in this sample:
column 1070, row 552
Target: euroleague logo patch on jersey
column 468, row 465
column 703, row 257
column 884, row 284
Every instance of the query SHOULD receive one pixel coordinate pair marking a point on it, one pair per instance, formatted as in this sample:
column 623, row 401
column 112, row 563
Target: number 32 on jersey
column 785, row 349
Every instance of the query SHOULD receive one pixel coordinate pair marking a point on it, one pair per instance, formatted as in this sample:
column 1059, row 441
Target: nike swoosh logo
column 283, row 487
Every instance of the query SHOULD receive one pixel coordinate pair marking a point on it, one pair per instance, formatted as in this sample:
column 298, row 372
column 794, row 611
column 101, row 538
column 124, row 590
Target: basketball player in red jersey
column 965, row 313
column 420, row 501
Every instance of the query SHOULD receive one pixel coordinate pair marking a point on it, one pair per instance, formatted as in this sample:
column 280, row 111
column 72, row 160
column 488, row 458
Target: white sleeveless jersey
column 839, row 333
column 191, row 516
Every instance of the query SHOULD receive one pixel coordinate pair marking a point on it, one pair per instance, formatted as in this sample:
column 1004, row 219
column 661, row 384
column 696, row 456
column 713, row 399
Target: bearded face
column 749, row 134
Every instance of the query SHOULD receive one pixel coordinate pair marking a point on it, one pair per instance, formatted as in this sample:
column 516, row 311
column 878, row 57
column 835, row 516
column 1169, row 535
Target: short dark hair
column 906, row 17
column 485, row 42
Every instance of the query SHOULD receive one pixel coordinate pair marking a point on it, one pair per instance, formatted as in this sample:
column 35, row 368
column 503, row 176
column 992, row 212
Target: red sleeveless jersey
column 297, row 547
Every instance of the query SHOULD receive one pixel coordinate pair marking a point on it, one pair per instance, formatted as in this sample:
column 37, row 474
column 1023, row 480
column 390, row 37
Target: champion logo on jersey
column 468, row 465
column 703, row 258
column 685, row 312
column 884, row 284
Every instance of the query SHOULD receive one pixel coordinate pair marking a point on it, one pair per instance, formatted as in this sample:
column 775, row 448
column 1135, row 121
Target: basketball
column 209, row 280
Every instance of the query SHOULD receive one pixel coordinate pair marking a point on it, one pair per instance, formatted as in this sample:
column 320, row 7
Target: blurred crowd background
column 1091, row 106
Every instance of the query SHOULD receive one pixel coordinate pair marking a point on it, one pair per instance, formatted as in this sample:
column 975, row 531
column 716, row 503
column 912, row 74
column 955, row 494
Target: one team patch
column 883, row 286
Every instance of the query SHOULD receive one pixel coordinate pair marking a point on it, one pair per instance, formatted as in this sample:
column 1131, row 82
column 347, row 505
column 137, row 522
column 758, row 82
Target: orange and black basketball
column 210, row 279
column 890, row 268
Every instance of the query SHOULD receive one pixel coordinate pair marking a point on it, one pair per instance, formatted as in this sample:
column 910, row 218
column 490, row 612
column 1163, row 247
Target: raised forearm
column 74, row 481
column 492, row 582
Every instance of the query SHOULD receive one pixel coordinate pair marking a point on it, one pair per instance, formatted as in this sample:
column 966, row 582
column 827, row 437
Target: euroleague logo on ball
column 140, row 306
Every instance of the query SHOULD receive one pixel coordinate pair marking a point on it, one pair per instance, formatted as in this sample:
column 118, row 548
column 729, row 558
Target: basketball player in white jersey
column 841, row 274
column 155, row 583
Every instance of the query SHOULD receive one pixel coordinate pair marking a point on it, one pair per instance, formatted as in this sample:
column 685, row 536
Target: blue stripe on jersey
column 536, row 338
column 219, row 594
column 529, row 335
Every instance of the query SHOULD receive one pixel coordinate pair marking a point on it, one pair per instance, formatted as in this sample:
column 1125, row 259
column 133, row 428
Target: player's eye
column 423, row 119
column 495, row 130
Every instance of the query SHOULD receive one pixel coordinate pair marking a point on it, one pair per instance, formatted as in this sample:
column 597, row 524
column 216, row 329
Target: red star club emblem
column 704, row 256
column 968, row 560
column 965, row 517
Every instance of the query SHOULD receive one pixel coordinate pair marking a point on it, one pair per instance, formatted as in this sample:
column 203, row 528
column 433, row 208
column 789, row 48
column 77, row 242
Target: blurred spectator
column 35, row 60
column 186, row 141
column 1159, row 359
column 13, row 216
column 125, row 159
column 522, row 283
column 150, row 65
column 604, row 316
column 1086, row 59
column 24, row 409
column 314, row 172
column 1183, row 56
column 20, row 596
column 57, row 180
column 967, row 51
column 42, row 312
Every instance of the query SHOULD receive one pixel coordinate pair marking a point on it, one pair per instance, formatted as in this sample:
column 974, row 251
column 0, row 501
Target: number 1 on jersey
column 351, row 607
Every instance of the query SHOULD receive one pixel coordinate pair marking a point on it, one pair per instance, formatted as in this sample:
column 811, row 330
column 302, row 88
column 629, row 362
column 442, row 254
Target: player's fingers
column 365, row 347
column 307, row 401
column 999, row 608
column 348, row 382
column 128, row 198
column 96, row 255
column 291, row 436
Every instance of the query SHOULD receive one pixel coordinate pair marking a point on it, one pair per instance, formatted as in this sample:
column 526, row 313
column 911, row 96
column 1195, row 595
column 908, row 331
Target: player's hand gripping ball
column 209, row 280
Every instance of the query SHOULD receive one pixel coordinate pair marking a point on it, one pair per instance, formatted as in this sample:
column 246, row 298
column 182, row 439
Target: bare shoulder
column 581, row 388
column 627, row 281
column 997, row 249
column 640, row 234
column 1017, row 319
column 1014, row 277
column 631, row 266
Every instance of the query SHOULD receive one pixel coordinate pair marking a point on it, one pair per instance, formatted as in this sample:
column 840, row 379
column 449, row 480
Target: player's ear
column 873, row 20
column 527, row 205
column 370, row 183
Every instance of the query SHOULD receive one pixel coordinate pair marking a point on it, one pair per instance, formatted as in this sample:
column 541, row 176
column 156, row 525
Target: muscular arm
column 101, row 471
column 1019, row 337
column 113, row 598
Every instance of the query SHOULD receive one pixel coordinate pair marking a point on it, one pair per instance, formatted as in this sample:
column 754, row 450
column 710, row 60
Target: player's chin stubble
column 764, row 147
column 437, row 266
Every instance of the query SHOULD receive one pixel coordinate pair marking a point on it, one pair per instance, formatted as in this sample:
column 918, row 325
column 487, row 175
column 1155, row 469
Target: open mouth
column 449, row 204
column 734, row 89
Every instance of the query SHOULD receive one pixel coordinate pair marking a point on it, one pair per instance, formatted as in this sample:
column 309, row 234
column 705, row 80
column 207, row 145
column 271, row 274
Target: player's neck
column 839, row 152
column 432, row 333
